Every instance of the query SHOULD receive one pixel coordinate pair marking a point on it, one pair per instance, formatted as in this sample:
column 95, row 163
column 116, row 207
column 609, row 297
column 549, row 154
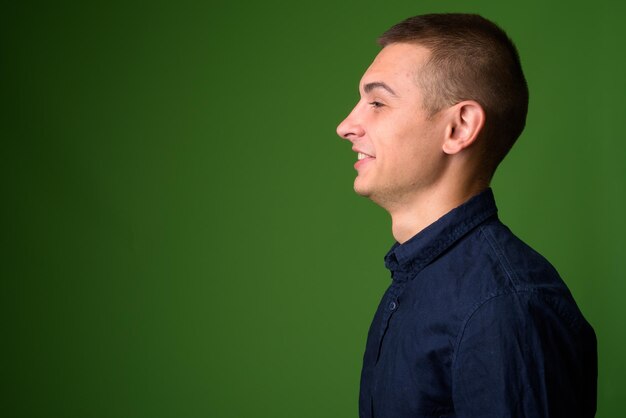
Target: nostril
column 342, row 131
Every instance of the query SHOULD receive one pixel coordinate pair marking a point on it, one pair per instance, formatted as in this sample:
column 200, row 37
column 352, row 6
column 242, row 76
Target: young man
column 475, row 323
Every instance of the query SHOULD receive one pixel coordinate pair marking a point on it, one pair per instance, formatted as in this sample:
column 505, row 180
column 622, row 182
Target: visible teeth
column 361, row 156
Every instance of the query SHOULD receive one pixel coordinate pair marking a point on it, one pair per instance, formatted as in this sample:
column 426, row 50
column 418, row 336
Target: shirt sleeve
column 525, row 354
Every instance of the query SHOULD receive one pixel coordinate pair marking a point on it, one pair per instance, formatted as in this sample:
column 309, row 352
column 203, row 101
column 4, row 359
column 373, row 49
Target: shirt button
column 393, row 305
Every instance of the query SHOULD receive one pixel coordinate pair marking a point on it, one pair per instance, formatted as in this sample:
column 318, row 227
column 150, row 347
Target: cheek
column 404, row 144
column 388, row 138
column 416, row 151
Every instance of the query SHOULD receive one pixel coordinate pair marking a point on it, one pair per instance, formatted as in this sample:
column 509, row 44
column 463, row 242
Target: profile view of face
column 399, row 147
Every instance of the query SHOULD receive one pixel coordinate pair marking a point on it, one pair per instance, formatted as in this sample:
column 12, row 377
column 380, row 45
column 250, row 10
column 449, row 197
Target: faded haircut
column 471, row 58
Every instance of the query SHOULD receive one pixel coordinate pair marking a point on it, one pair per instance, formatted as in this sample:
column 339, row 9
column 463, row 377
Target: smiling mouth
column 362, row 156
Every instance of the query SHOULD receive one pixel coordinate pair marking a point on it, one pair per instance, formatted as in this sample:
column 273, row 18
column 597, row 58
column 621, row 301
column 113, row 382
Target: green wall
column 179, row 233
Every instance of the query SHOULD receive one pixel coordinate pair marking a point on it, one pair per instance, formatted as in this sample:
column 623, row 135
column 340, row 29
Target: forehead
column 397, row 64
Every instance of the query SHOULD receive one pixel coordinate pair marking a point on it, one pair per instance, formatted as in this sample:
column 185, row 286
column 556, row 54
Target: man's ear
column 466, row 121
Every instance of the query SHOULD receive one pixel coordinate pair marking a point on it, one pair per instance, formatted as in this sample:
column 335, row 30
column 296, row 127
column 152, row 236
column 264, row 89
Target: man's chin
column 361, row 189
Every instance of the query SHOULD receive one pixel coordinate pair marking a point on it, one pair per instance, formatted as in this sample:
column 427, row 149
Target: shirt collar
column 406, row 260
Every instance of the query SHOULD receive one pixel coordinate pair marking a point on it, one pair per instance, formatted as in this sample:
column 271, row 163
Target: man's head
column 441, row 85
column 470, row 59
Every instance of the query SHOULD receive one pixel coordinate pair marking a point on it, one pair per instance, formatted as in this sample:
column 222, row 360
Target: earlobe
column 466, row 122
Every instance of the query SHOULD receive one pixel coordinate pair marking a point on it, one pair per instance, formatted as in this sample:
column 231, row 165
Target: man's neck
column 409, row 219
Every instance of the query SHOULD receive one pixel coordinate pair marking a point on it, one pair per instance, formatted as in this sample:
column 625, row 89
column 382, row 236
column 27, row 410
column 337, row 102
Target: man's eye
column 376, row 104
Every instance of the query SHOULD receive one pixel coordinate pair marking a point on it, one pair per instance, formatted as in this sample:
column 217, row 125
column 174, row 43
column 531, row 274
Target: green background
column 179, row 232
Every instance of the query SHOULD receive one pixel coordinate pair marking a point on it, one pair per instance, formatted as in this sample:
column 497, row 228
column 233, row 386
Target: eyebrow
column 378, row 85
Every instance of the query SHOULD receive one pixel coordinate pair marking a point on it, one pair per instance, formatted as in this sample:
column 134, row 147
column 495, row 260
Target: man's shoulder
column 521, row 267
column 512, row 284
column 490, row 260
column 507, row 272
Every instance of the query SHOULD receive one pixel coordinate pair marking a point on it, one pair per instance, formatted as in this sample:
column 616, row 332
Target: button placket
column 391, row 306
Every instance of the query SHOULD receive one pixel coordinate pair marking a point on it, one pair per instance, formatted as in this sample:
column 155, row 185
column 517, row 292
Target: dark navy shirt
column 476, row 324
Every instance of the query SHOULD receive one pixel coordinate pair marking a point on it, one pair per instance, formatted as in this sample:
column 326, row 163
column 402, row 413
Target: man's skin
column 417, row 166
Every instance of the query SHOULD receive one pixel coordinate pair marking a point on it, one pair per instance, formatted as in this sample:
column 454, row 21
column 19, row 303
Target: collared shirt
column 476, row 324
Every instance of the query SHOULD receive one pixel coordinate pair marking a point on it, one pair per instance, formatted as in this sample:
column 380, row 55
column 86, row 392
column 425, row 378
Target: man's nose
column 351, row 127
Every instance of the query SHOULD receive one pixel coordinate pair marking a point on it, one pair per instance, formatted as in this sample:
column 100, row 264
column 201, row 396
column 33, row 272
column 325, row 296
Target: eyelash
column 376, row 104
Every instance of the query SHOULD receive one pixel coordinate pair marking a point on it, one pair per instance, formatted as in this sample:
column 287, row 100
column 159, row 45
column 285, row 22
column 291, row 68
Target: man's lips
column 362, row 158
